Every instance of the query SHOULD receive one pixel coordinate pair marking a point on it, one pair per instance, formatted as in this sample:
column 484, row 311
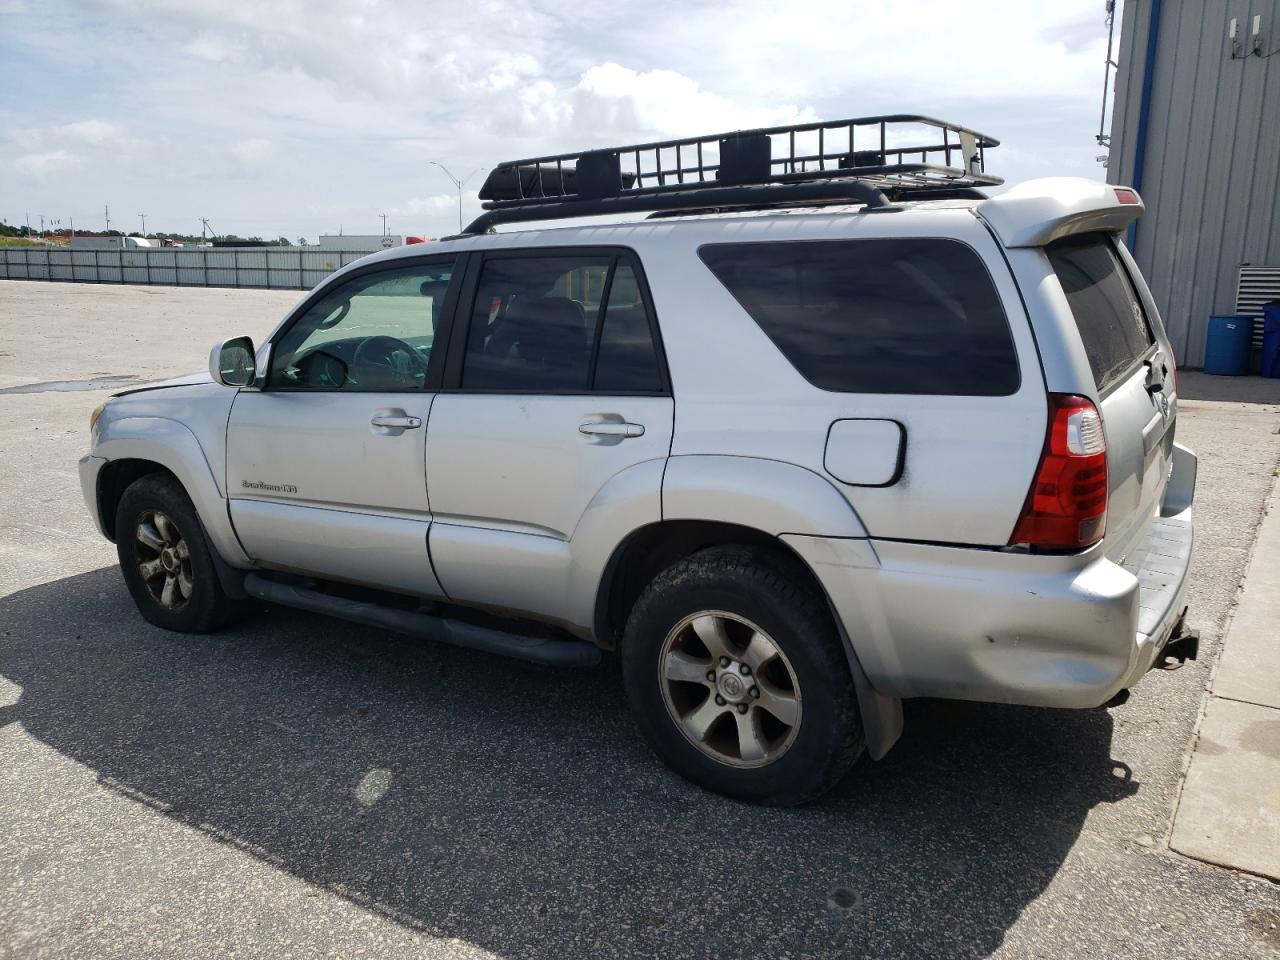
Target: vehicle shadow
column 1197, row 385
column 514, row 807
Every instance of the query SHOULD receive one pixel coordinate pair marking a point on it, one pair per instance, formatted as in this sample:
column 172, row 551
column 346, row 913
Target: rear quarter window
column 1113, row 326
column 885, row 315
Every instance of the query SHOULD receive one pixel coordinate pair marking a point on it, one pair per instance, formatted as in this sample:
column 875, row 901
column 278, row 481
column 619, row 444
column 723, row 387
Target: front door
column 325, row 464
column 555, row 390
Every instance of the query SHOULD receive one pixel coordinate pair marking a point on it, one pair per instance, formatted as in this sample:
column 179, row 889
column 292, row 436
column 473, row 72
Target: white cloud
column 440, row 204
column 90, row 131
column 253, row 151
column 46, row 164
column 666, row 103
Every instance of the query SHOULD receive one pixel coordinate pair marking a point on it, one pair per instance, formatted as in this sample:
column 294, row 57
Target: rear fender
column 803, row 509
column 769, row 495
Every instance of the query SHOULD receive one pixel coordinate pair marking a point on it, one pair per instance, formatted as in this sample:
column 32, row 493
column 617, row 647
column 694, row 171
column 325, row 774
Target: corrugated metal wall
column 288, row 268
column 1211, row 177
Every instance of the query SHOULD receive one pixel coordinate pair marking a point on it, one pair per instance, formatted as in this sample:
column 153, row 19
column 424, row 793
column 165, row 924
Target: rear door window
column 1107, row 311
column 560, row 324
column 885, row 315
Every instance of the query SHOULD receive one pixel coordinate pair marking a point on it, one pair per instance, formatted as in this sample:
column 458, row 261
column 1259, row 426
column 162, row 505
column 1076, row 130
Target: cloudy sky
column 297, row 117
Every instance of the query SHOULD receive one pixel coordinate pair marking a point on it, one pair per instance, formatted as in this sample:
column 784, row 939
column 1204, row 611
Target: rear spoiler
column 1039, row 211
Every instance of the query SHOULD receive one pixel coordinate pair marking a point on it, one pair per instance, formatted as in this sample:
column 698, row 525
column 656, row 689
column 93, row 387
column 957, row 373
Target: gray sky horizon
column 301, row 117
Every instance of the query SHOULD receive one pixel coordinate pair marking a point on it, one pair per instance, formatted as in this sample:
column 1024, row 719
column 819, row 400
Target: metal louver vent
column 1257, row 285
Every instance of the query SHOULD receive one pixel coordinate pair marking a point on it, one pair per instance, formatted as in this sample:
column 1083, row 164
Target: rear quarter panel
column 968, row 460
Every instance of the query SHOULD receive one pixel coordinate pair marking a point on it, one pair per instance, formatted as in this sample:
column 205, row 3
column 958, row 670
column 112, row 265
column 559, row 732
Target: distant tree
column 283, row 242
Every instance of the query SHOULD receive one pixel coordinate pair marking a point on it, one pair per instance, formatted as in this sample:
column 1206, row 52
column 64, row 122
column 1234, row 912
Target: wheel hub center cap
column 732, row 685
column 168, row 560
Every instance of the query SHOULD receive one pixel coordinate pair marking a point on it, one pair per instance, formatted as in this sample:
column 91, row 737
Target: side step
column 545, row 650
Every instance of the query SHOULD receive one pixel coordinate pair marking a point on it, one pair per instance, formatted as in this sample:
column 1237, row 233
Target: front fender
column 173, row 446
column 769, row 495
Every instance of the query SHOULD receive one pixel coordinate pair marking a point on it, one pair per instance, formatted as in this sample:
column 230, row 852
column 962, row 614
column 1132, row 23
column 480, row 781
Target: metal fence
column 282, row 268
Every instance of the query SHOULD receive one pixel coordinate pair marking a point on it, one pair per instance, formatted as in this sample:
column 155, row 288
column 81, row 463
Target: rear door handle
column 401, row 423
column 610, row 428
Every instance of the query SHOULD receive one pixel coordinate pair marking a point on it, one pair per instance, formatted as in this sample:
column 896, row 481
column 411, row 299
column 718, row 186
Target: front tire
column 738, row 678
column 166, row 560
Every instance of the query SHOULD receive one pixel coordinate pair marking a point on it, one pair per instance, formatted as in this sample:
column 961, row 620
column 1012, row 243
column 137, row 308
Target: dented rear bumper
column 1055, row 631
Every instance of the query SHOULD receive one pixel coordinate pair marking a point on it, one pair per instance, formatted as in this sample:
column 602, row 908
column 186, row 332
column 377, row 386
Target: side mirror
column 231, row 363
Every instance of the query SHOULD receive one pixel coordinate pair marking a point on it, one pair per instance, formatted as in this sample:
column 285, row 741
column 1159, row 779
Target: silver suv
column 825, row 431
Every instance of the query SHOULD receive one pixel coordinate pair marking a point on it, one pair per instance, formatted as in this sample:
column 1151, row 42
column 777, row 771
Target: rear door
column 1133, row 370
column 556, row 386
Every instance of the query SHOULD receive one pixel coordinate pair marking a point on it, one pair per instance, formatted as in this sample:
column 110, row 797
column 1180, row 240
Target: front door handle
column 611, row 428
column 397, row 423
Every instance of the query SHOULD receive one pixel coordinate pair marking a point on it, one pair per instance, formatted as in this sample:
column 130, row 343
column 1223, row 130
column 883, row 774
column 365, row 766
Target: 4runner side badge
column 269, row 487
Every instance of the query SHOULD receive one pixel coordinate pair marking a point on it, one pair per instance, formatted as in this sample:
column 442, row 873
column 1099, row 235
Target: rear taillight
column 1066, row 508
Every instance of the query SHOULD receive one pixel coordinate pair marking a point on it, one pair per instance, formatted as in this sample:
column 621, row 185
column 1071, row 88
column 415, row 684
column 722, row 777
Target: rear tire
column 738, row 677
column 166, row 560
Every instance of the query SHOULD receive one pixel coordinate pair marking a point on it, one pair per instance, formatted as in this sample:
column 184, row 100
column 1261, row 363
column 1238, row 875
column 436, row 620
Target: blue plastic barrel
column 1271, row 340
column 1227, row 346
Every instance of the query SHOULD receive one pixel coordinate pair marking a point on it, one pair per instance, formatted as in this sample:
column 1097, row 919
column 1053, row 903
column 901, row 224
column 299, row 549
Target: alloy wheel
column 730, row 689
column 164, row 560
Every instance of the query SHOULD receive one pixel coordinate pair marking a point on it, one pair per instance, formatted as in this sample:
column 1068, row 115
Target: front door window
column 373, row 333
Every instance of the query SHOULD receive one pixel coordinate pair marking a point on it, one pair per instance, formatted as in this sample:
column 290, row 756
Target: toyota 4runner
column 828, row 429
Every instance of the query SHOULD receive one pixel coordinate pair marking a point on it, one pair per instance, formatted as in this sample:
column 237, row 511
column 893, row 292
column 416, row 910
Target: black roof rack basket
column 870, row 160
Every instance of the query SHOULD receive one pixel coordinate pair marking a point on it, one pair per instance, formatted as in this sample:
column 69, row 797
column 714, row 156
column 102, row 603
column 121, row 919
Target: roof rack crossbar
column 754, row 196
column 880, row 150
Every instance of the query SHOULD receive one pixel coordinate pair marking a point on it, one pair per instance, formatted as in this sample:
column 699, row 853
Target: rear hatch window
column 1107, row 311
column 904, row 316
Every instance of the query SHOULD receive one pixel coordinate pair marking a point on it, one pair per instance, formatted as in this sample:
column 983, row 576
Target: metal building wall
column 1211, row 176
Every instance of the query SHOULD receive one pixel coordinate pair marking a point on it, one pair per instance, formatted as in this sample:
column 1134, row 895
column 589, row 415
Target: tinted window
column 373, row 332
column 536, row 320
column 914, row 316
column 1106, row 308
column 627, row 361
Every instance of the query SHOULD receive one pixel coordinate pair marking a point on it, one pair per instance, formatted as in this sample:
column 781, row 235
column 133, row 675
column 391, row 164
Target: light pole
column 457, row 183
column 144, row 223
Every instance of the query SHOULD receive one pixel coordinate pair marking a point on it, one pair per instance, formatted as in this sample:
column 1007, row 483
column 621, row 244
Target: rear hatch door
column 1132, row 368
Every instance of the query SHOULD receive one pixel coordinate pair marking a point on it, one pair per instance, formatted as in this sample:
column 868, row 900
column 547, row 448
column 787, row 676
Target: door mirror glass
column 231, row 363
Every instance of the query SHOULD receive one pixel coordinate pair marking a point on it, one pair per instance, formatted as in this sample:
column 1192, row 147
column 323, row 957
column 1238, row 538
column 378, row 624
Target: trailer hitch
column 1183, row 645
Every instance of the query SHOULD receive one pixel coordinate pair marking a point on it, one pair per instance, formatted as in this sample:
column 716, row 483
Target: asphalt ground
column 300, row 787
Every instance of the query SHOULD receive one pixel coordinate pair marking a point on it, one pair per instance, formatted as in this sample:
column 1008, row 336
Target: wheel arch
column 143, row 445
column 651, row 549
column 114, row 478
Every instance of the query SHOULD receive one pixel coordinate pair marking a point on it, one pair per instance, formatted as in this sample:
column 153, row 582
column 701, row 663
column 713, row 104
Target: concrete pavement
column 305, row 788
column 1229, row 811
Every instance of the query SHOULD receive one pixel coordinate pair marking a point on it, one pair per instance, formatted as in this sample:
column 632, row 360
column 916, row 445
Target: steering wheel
column 386, row 363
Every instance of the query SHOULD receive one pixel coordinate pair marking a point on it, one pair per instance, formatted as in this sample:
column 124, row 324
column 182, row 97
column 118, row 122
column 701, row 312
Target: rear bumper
column 1161, row 565
column 1068, row 631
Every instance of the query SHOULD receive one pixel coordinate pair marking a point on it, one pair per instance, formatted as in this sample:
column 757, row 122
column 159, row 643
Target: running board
column 545, row 650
